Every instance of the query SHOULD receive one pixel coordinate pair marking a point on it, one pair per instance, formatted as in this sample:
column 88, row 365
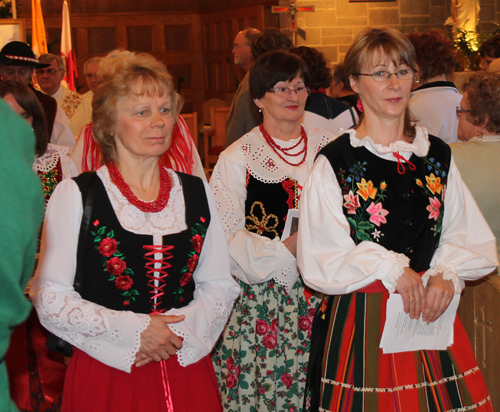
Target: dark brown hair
column 435, row 54
column 26, row 98
column 273, row 67
column 271, row 39
column 320, row 75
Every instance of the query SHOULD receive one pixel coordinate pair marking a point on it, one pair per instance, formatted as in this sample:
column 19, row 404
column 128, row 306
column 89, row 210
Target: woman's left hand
column 438, row 296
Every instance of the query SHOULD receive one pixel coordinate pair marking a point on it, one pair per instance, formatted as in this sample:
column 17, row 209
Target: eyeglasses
column 92, row 75
column 41, row 72
column 284, row 92
column 382, row 75
column 460, row 110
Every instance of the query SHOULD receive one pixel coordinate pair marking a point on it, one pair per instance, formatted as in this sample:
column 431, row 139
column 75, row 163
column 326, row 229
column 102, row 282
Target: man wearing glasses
column 19, row 64
column 77, row 109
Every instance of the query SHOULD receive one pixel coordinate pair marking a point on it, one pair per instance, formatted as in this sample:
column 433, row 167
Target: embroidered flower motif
column 185, row 279
column 107, row 247
column 197, row 241
column 199, row 231
column 366, row 189
column 434, row 208
column 351, row 202
column 113, row 262
column 270, row 164
column 376, row 234
column 115, row 266
column 434, row 184
column 192, row 263
column 262, row 225
column 230, row 364
column 419, row 182
column 377, row 213
column 124, row 282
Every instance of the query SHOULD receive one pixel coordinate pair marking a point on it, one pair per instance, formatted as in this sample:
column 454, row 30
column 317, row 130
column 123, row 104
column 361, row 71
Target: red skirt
column 156, row 387
column 349, row 372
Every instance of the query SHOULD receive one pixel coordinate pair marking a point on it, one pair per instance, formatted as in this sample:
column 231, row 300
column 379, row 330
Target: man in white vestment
column 77, row 109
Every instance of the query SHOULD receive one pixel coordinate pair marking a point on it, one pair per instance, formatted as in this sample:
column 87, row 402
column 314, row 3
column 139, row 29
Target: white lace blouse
column 332, row 263
column 113, row 337
column 47, row 161
column 254, row 258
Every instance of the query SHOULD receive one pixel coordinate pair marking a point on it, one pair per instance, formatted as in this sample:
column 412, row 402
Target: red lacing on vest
column 401, row 161
column 157, row 290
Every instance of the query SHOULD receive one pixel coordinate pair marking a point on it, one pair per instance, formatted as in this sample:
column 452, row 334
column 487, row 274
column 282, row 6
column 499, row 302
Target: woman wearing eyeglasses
column 375, row 221
column 261, row 360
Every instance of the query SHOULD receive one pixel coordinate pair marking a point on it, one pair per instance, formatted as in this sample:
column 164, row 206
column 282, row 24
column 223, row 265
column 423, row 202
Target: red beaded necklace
column 286, row 150
column 147, row 207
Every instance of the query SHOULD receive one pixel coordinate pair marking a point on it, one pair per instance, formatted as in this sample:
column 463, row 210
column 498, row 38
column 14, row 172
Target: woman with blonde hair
column 374, row 220
column 156, row 288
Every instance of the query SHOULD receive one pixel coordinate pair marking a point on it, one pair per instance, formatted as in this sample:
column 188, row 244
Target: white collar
column 419, row 146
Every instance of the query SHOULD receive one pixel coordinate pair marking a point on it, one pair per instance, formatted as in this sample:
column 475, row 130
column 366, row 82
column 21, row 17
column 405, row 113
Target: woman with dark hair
column 270, row 39
column 156, row 289
column 374, row 220
column 434, row 99
column 322, row 111
column 29, row 362
column 261, row 359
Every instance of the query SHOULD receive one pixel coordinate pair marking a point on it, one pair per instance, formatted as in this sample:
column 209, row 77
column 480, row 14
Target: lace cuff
column 448, row 274
column 286, row 272
column 391, row 269
column 195, row 348
column 111, row 337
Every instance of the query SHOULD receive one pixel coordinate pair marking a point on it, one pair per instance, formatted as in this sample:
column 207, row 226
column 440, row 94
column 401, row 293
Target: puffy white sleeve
column 328, row 258
column 215, row 293
column 112, row 337
column 254, row 258
column 467, row 248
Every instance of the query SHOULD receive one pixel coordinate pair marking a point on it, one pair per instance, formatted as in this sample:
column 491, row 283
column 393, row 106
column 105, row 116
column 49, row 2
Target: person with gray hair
column 77, row 109
column 243, row 116
column 90, row 71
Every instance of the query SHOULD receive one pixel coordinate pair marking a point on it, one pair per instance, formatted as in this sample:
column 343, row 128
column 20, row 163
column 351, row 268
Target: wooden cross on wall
column 292, row 9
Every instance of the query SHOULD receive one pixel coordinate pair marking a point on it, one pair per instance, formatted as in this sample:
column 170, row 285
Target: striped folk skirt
column 348, row 371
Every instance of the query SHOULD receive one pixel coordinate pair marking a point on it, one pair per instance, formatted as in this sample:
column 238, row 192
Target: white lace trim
column 287, row 272
column 130, row 357
column 73, row 319
column 419, row 146
column 226, row 205
column 392, row 268
column 253, row 152
column 172, row 219
column 47, row 161
column 222, row 311
column 185, row 350
column 448, row 274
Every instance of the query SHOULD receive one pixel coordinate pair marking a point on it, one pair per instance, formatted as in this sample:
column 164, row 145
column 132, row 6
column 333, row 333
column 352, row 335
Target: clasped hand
column 158, row 341
column 431, row 302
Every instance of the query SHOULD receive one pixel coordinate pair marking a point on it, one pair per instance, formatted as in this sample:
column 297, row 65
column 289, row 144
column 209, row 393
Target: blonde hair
column 126, row 74
column 383, row 42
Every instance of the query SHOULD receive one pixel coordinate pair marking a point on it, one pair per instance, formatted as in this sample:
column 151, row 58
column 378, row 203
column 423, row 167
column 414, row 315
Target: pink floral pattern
column 377, row 213
column 434, row 208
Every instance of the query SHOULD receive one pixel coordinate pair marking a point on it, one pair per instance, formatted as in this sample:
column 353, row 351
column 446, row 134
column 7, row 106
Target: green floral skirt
column 261, row 359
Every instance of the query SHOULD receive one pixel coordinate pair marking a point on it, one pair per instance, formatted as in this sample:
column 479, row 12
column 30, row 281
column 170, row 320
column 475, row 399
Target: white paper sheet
column 291, row 224
column 402, row 334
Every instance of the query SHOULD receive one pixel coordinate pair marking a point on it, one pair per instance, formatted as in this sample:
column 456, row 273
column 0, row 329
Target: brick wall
column 335, row 23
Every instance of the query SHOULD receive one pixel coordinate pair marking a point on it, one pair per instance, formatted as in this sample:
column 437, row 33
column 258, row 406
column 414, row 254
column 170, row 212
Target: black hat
column 17, row 53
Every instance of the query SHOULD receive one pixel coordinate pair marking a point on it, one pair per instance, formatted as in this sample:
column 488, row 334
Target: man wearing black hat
column 17, row 62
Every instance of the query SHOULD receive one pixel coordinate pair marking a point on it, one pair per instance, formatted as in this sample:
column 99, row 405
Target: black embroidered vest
column 402, row 212
column 267, row 205
column 119, row 264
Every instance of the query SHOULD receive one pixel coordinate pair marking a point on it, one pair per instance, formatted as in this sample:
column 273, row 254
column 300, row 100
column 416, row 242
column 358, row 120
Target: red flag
column 67, row 49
